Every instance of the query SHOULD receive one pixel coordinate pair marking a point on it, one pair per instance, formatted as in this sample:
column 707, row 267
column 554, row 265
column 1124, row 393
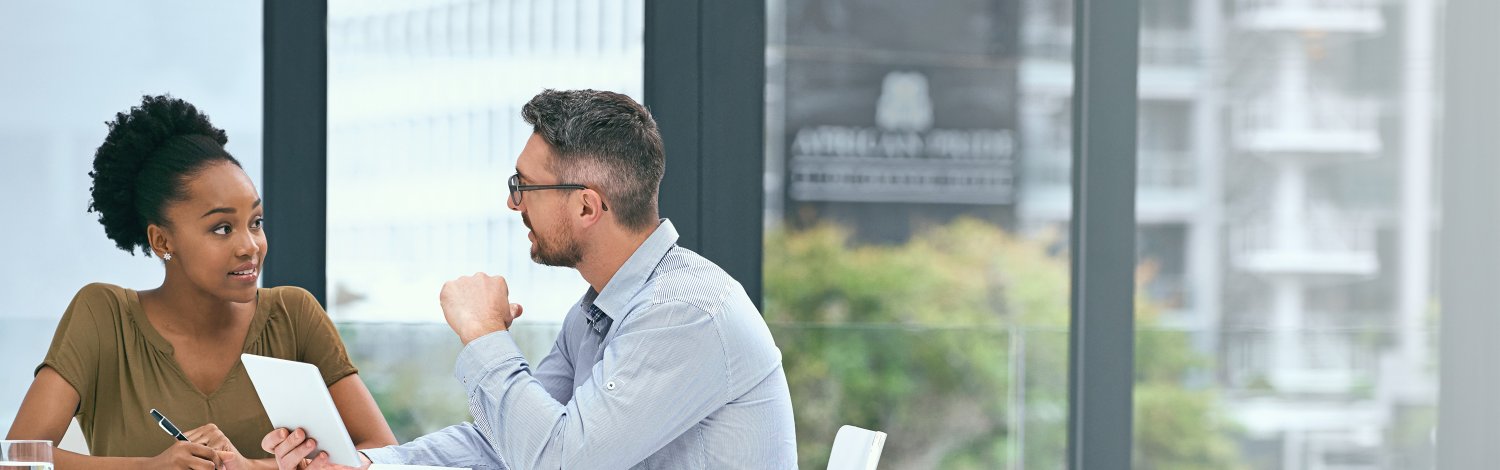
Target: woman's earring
column 167, row 257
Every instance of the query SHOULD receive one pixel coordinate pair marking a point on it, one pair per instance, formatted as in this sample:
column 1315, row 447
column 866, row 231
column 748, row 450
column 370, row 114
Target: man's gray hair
column 606, row 141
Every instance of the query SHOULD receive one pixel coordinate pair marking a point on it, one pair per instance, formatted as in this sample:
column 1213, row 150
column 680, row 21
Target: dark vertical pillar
column 1102, row 333
column 705, row 84
column 296, row 138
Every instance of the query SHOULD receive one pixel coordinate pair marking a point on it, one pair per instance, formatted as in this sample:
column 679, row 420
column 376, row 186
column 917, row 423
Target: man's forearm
column 454, row 446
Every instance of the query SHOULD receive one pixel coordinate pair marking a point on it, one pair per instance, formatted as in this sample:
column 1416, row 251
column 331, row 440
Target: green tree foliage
column 955, row 344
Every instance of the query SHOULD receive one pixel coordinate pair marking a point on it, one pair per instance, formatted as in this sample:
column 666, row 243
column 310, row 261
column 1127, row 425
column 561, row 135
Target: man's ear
column 592, row 208
column 160, row 239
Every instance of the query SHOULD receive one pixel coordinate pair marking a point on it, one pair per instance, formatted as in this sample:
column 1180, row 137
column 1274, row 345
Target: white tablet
column 294, row 396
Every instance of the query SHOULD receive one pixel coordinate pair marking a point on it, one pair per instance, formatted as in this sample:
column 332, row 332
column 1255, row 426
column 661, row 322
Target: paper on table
column 386, row 466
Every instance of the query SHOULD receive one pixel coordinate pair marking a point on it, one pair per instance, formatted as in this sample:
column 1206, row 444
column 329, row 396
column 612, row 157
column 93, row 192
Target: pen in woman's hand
column 166, row 425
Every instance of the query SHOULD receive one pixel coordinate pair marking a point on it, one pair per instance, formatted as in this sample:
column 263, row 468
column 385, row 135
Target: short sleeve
column 76, row 346
column 318, row 342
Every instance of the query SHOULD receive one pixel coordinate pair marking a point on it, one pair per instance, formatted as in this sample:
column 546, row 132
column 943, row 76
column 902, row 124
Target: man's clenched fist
column 477, row 305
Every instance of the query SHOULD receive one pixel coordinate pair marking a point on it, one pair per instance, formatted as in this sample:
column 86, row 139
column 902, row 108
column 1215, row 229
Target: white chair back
column 73, row 440
column 856, row 449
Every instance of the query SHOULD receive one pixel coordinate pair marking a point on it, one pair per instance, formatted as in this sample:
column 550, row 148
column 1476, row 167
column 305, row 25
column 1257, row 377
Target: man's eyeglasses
column 516, row 188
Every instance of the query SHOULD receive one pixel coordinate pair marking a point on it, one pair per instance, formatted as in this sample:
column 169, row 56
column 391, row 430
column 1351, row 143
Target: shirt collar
column 632, row 275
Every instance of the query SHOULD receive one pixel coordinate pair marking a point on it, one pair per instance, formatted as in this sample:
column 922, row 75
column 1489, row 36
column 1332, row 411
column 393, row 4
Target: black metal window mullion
column 705, row 84
column 1101, row 341
column 296, row 143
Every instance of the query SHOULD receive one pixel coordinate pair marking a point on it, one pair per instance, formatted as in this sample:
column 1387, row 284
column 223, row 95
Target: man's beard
column 561, row 251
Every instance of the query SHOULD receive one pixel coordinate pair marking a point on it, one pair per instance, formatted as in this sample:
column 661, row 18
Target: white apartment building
column 1285, row 202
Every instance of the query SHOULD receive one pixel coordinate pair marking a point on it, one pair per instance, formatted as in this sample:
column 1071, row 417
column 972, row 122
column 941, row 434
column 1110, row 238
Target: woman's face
column 215, row 236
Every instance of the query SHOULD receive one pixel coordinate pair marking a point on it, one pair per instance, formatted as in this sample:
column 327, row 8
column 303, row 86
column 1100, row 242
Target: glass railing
column 408, row 367
column 980, row 396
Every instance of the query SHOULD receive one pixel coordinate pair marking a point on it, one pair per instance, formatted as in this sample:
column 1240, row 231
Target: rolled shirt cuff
column 482, row 356
column 386, row 454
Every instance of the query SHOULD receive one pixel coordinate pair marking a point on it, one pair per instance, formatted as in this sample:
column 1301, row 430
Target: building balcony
column 1156, row 170
column 1170, row 62
column 1158, row 47
column 1336, row 16
column 1326, row 362
column 1041, row 41
column 1166, row 184
column 1272, row 417
column 1318, row 128
column 1326, row 244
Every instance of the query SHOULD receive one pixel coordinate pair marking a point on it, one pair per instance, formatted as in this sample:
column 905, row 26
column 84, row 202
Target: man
column 664, row 362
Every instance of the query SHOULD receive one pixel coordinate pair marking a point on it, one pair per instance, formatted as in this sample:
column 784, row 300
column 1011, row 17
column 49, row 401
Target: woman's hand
column 183, row 454
column 226, row 455
column 292, row 449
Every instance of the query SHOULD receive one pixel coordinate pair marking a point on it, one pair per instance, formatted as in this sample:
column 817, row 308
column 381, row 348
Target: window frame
column 704, row 81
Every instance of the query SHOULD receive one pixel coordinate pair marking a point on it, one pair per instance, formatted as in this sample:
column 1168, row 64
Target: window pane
column 69, row 67
column 1286, row 235
column 916, row 207
column 424, row 125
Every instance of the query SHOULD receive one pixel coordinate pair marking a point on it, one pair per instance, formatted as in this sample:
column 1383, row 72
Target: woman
column 164, row 183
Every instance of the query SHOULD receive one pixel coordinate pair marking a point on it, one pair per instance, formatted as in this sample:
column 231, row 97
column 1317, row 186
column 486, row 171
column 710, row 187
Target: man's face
column 545, row 212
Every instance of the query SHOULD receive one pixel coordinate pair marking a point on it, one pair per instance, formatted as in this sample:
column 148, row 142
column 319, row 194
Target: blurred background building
column 1285, row 203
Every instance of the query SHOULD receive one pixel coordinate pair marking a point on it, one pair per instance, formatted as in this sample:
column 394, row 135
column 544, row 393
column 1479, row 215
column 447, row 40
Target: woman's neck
column 191, row 310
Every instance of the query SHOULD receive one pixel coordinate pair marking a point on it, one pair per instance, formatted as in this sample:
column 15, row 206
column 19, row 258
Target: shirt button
column 610, row 385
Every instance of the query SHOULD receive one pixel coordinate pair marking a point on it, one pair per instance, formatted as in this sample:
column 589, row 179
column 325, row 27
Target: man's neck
column 608, row 254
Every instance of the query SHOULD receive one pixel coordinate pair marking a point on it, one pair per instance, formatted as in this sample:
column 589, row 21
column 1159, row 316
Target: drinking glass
column 25, row 455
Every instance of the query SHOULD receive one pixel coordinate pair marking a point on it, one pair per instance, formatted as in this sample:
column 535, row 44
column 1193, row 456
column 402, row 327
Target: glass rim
column 24, row 441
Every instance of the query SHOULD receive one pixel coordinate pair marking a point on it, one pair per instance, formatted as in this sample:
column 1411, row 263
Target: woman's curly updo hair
column 145, row 162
